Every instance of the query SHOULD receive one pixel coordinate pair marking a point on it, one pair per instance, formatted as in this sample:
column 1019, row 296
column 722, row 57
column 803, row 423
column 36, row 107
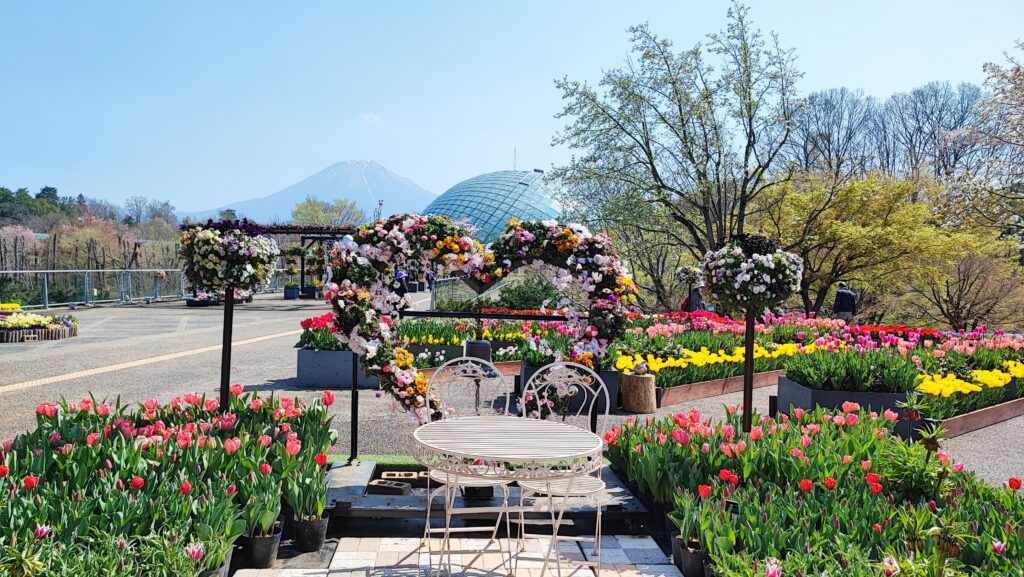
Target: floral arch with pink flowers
column 366, row 307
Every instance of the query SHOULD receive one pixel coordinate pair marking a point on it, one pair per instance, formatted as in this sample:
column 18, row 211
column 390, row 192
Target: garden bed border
column 19, row 335
column 797, row 395
column 683, row 393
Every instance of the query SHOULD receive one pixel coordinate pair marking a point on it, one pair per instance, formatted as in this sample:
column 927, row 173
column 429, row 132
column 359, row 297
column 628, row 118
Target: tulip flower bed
column 158, row 490
column 961, row 374
column 821, row 493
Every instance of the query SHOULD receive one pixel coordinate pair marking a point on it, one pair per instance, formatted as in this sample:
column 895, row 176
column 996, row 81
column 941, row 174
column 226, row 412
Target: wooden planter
column 685, row 393
column 28, row 335
column 638, row 394
column 792, row 394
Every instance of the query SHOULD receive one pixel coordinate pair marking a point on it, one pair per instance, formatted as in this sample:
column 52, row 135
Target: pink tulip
column 998, row 547
column 194, row 551
column 293, row 446
column 232, row 445
column 681, row 436
column 41, row 532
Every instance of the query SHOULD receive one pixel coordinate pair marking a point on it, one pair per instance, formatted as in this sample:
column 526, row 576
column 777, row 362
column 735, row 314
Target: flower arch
column 366, row 306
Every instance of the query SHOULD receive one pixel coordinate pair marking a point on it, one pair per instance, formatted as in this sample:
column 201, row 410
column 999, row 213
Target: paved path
column 165, row 349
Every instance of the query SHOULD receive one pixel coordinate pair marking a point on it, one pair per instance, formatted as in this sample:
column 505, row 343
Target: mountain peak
column 364, row 181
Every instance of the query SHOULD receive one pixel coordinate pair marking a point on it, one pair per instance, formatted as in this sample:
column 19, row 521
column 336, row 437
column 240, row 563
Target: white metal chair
column 466, row 386
column 565, row 391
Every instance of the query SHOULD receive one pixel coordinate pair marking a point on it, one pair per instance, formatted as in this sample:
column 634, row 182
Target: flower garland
column 366, row 306
column 227, row 253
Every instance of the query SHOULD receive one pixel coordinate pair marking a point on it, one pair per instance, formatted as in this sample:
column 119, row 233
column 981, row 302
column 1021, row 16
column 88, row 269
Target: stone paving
column 621, row 556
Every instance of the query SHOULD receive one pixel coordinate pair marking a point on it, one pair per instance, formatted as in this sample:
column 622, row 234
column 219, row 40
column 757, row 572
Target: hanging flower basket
column 232, row 253
column 751, row 273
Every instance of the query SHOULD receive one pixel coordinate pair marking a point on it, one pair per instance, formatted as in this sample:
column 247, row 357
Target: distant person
column 695, row 301
column 430, row 280
column 846, row 303
column 401, row 288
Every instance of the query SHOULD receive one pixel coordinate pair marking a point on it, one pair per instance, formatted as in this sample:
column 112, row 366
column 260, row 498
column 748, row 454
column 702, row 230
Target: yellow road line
column 136, row 363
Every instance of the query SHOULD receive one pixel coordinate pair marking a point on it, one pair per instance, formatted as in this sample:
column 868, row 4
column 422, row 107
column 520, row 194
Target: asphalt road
column 166, row 349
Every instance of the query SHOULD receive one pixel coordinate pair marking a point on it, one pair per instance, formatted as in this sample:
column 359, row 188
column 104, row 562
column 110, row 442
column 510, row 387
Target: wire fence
column 43, row 289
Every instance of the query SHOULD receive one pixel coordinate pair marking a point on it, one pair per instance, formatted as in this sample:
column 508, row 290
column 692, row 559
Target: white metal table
column 510, row 448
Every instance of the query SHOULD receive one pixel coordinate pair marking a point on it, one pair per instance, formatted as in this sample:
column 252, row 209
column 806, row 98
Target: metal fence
column 43, row 289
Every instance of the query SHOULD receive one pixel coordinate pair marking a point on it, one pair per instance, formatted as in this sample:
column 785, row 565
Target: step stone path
column 622, row 556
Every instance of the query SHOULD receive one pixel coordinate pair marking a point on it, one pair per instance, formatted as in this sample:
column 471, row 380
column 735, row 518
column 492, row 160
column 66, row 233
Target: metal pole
column 46, row 290
column 225, row 352
column 353, row 450
column 748, row 373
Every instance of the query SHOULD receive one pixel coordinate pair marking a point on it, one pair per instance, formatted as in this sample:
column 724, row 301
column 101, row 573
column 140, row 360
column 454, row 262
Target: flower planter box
column 982, row 418
column 506, row 368
column 792, row 394
column 450, row 351
column 291, row 293
column 685, row 393
column 27, row 335
column 330, row 370
column 610, row 378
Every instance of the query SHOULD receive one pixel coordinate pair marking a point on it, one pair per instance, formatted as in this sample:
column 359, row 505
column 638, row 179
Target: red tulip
column 4, row 470
column 231, row 489
column 830, row 482
column 806, row 485
column 704, row 490
column 876, row 488
column 236, row 389
column 321, row 459
column 186, row 488
column 327, row 399
column 138, row 483
column 872, row 478
column 119, row 484
column 30, row 482
column 265, row 469
column 1014, row 483
column 877, row 528
column 724, row 474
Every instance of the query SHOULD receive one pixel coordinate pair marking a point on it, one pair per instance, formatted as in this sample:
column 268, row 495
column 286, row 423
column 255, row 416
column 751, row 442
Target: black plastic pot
column 221, row 571
column 260, row 552
column 287, row 521
column 689, row 559
column 309, row 535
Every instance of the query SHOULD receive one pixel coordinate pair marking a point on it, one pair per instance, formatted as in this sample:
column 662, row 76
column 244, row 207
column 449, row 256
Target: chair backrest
column 468, row 386
column 562, row 390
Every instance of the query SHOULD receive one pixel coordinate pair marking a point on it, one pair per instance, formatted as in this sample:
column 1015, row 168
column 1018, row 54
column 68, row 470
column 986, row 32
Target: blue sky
column 205, row 103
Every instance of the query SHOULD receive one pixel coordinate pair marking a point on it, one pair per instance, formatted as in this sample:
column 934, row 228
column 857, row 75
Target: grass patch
column 385, row 462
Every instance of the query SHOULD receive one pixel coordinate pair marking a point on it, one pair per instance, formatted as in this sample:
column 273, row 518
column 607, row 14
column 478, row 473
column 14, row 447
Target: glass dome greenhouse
column 488, row 201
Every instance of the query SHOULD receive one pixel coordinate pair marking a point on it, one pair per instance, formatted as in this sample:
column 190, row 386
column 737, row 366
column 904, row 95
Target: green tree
column 340, row 212
column 701, row 137
column 979, row 281
column 863, row 231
